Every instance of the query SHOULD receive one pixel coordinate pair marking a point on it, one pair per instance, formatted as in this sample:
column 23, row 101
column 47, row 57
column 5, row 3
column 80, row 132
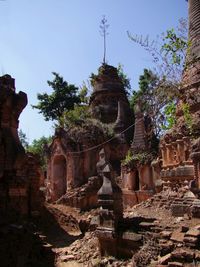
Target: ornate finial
column 103, row 31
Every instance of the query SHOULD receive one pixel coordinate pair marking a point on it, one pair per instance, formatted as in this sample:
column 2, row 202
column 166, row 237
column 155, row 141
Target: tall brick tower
column 191, row 77
column 194, row 27
column 176, row 145
column 190, row 90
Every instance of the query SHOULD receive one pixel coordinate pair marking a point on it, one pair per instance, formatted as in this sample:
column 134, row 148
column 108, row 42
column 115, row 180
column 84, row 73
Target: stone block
column 175, row 264
column 183, row 255
column 197, row 227
column 179, row 210
column 134, row 237
column 195, row 211
column 190, row 239
column 184, row 228
column 147, row 225
column 197, row 255
column 166, row 247
column 166, row 234
column 177, row 236
column 165, row 259
column 193, row 232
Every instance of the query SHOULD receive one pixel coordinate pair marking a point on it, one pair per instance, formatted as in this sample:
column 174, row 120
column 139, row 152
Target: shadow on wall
column 59, row 176
column 54, row 225
column 21, row 248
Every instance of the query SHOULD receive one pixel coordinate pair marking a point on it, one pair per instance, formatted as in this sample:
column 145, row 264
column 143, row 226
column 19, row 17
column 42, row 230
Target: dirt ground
column 62, row 236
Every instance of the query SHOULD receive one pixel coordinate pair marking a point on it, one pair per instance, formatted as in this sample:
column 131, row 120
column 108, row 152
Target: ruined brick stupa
column 71, row 161
column 19, row 172
column 176, row 145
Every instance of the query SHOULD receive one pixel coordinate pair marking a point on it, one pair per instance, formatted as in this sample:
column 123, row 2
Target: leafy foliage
column 134, row 160
column 83, row 93
column 168, row 51
column 63, row 98
column 124, row 78
column 154, row 94
column 75, row 117
column 187, row 115
column 170, row 115
column 38, row 148
column 23, row 139
column 175, row 46
column 159, row 89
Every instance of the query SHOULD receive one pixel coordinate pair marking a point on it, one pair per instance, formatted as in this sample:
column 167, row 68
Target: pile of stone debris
column 85, row 252
column 166, row 240
column 84, row 197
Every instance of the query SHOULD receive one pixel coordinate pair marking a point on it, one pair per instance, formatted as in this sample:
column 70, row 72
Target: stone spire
column 191, row 77
column 119, row 124
column 139, row 131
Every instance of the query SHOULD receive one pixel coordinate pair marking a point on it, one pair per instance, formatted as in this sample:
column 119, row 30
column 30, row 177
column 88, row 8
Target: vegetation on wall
column 74, row 117
column 133, row 160
column 125, row 79
column 187, row 116
column 170, row 115
column 121, row 74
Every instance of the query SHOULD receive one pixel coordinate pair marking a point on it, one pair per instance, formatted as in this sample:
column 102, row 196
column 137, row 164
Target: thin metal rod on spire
column 103, row 31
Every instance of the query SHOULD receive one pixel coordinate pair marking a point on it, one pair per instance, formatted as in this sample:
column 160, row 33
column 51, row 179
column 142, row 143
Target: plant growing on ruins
column 122, row 76
column 170, row 115
column 137, row 158
column 84, row 91
column 63, row 98
column 74, row 117
column 187, row 115
column 128, row 159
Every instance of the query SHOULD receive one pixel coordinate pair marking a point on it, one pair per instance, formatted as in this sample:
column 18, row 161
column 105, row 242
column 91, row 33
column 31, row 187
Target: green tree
column 124, row 78
column 23, row 139
column 75, row 117
column 170, row 115
column 175, row 47
column 83, row 93
column 154, row 95
column 159, row 90
column 168, row 51
column 63, row 98
column 37, row 147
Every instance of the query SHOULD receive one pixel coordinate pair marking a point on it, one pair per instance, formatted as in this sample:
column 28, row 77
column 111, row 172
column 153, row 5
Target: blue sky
column 41, row 36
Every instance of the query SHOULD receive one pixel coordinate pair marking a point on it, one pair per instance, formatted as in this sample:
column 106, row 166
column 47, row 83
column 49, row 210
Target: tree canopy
column 155, row 95
column 63, row 98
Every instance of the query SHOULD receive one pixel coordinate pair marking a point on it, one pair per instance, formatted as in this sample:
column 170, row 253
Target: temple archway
column 59, row 176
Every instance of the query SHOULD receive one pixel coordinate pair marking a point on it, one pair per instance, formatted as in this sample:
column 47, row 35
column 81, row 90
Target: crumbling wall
column 19, row 173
